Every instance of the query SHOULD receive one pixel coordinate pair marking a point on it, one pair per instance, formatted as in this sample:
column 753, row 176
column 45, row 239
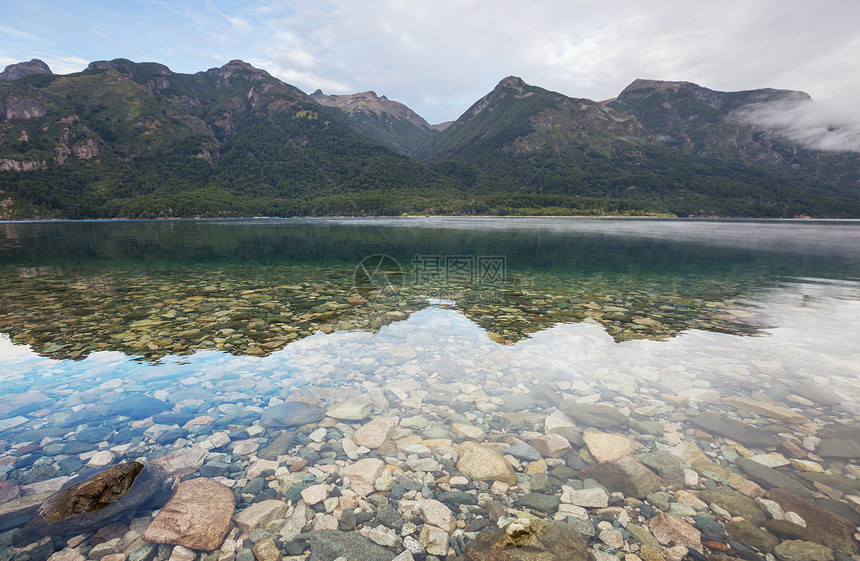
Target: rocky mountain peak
column 369, row 102
column 512, row 85
column 21, row 69
column 238, row 67
column 511, row 82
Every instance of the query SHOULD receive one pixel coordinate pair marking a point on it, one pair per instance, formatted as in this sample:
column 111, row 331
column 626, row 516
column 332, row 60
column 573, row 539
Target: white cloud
column 832, row 124
column 439, row 57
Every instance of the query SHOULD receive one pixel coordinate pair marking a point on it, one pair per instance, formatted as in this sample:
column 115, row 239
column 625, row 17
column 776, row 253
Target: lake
column 382, row 365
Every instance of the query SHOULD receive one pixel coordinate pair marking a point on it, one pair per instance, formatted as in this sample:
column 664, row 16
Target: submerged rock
column 329, row 545
column 197, row 516
column 87, row 504
column 291, row 414
column 795, row 550
column 830, row 529
column 138, row 406
column 736, row 430
column 601, row 416
column 481, row 463
column 529, row 540
column 625, row 475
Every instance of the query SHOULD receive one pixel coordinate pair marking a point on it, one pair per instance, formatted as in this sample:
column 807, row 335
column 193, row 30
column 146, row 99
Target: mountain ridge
column 136, row 139
column 391, row 122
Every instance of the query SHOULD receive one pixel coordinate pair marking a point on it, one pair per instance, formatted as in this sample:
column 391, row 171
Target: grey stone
column 291, row 414
column 328, row 545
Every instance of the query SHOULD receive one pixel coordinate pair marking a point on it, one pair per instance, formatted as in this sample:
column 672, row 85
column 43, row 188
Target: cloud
column 439, row 57
column 832, row 125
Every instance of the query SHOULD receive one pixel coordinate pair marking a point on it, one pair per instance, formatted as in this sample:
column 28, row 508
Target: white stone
column 381, row 535
column 350, row 448
column 354, row 409
column 436, row 513
column 468, row 432
column 318, row 435
column 180, row 553
column 101, row 459
column 796, row 518
column 565, row 510
column 773, row 460
column 325, row 522
column 375, row 433
column 362, row 474
column 218, row 439
column 612, row 538
column 434, row 540
column 609, row 446
column 315, row 494
column 260, row 466
column 772, row 508
column 591, row 498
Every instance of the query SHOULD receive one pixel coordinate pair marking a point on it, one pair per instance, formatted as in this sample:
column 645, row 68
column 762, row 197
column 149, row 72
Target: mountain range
column 126, row 139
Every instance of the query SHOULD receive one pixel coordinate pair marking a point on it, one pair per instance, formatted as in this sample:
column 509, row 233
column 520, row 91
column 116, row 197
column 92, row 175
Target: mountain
column 717, row 125
column 673, row 144
column 136, row 140
column 391, row 123
column 126, row 139
column 21, row 69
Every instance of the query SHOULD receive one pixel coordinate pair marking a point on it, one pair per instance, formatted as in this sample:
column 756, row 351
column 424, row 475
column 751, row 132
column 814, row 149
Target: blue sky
column 440, row 56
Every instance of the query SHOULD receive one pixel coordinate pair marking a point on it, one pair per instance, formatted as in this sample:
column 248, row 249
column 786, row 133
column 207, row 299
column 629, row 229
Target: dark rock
column 786, row 530
column 145, row 552
column 794, row 550
column 841, row 432
column 278, row 447
column 347, row 521
column 816, row 393
column 8, row 491
column 92, row 435
column 709, row 527
column 523, row 452
column 831, row 529
column 748, row 533
column 736, row 430
column 92, row 501
column 836, row 448
column 769, row 478
column 669, row 466
column 291, row 414
column 455, row 498
column 16, row 512
column 170, row 436
column 600, row 416
column 138, row 406
column 840, row 508
column 847, row 486
column 542, row 540
column 328, row 545
column 214, row 469
column 74, row 447
column 388, row 517
column 519, row 402
column 547, row 504
column 744, row 552
column 735, row 503
column 172, row 418
column 625, row 475
column 81, row 417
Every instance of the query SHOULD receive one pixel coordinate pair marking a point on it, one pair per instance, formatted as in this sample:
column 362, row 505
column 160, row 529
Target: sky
column 440, row 56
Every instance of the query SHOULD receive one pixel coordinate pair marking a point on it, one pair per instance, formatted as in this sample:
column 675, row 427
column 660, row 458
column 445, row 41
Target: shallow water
column 446, row 319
